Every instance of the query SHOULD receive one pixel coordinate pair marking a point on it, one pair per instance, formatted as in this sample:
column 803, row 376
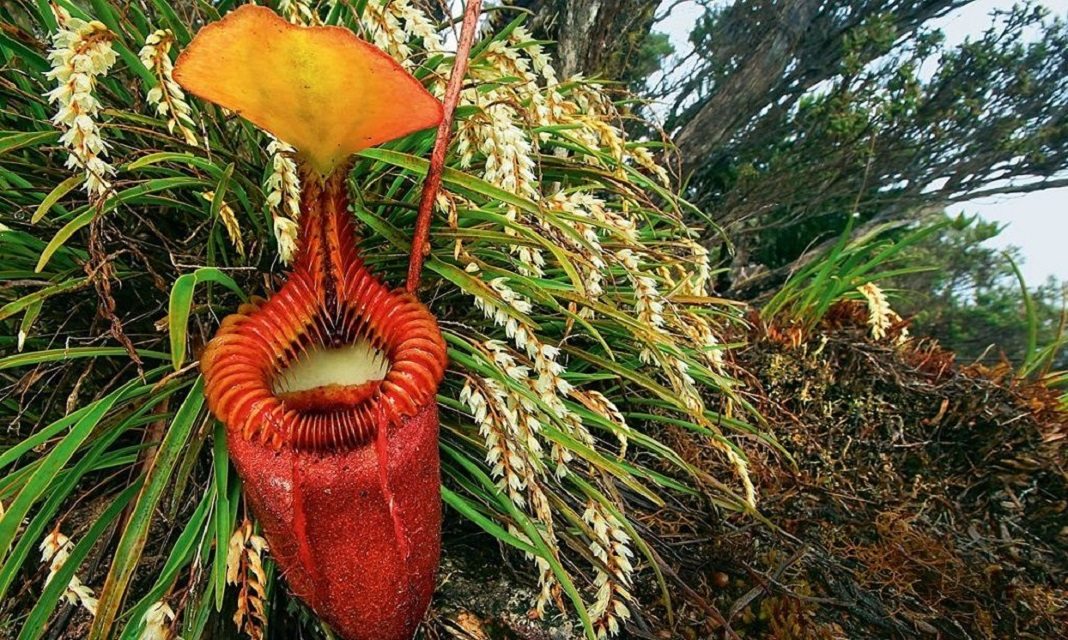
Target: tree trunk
column 747, row 87
column 771, row 52
column 596, row 38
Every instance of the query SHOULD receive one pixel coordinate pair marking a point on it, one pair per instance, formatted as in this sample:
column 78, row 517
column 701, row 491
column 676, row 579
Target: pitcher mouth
column 331, row 379
column 333, row 356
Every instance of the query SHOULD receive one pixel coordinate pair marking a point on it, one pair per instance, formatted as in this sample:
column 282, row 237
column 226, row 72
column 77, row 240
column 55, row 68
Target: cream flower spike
column 320, row 89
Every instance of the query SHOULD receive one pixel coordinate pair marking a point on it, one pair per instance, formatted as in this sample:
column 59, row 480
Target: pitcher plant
column 327, row 388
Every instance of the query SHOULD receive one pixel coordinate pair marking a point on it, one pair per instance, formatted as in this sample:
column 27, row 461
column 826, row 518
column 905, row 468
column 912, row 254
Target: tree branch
column 1041, row 185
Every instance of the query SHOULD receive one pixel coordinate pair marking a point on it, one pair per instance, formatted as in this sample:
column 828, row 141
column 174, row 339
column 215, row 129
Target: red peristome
column 343, row 477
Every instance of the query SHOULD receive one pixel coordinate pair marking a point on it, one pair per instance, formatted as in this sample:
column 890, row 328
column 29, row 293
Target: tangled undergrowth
column 913, row 497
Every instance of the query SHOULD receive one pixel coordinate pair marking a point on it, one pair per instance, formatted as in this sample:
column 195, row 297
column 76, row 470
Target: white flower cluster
column 543, row 356
column 596, row 402
column 578, row 206
column 158, row 620
column 283, row 197
column 55, row 550
column 511, row 419
column 81, row 53
column 521, row 59
column 596, row 113
column 516, row 119
column 285, row 234
column 393, row 24
column 497, row 132
column 496, row 307
column 641, row 156
column 513, row 450
column 493, row 132
column 695, row 279
column 508, row 155
column 699, row 330
column 648, row 303
column 244, row 568
column 880, row 316
column 649, row 307
column 661, row 349
column 167, row 96
column 547, row 382
column 509, row 424
column 611, row 546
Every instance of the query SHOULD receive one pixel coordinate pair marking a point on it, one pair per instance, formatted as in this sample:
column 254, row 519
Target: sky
column 1036, row 222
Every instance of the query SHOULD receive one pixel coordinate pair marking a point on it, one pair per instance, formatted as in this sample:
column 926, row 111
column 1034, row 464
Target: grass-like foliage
column 573, row 297
column 848, row 270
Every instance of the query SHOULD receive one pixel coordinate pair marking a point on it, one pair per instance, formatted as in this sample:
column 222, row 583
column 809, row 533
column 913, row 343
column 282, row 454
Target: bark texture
column 593, row 37
column 767, row 53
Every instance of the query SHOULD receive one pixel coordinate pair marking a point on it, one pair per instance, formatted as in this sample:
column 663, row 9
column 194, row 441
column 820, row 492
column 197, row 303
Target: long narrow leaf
column 132, row 542
column 182, row 300
column 53, row 463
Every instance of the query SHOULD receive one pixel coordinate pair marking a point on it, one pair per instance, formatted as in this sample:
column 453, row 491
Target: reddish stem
column 420, row 242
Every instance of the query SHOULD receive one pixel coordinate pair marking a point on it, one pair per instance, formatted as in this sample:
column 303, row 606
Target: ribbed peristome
column 330, row 301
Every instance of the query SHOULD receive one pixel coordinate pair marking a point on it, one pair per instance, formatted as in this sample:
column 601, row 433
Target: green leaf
column 130, row 195
column 62, row 236
column 28, row 317
column 1031, row 361
column 530, row 530
column 34, row 59
column 127, row 392
column 451, row 177
column 476, row 286
column 46, row 473
column 62, row 189
column 219, row 199
column 181, row 302
column 93, row 460
column 471, row 512
column 10, row 141
column 66, row 355
column 35, row 623
column 26, row 301
column 186, row 158
column 225, row 514
column 182, row 553
column 170, row 20
column 134, row 536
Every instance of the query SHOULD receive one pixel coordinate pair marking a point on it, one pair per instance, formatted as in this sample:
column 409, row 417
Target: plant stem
column 420, row 242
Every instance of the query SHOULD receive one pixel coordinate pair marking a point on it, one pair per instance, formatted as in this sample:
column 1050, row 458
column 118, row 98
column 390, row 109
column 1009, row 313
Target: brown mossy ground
column 911, row 498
